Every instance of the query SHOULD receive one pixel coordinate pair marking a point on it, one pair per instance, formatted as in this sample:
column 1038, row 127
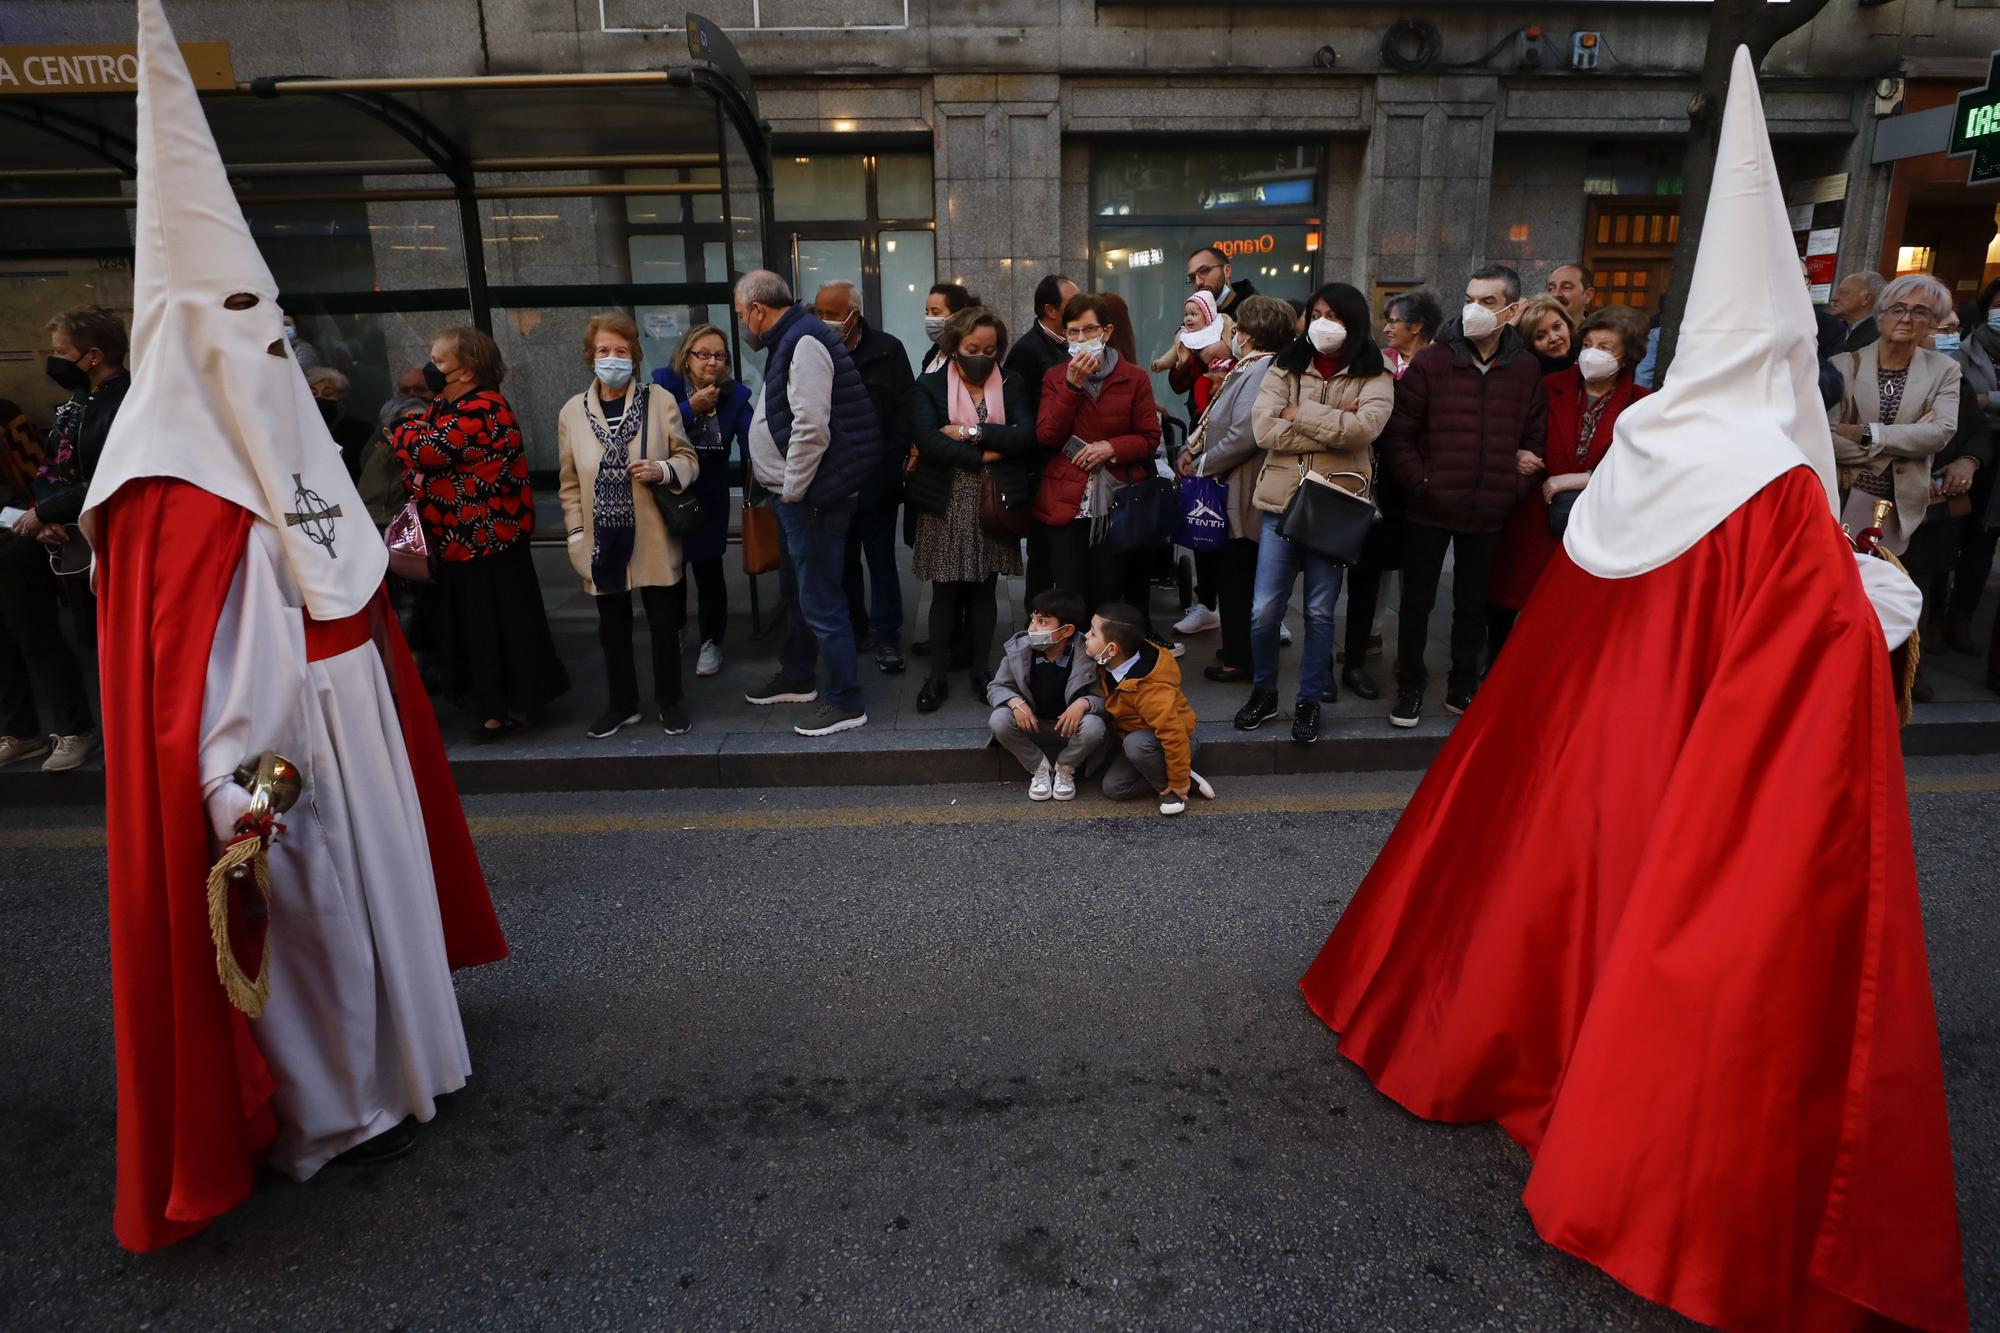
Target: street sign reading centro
column 1976, row 128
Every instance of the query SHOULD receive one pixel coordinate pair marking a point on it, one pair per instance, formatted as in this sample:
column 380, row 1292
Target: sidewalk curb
column 952, row 755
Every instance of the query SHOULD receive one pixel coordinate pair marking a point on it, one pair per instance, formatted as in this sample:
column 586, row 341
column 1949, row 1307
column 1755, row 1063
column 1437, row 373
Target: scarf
column 1094, row 385
column 611, row 504
column 958, row 399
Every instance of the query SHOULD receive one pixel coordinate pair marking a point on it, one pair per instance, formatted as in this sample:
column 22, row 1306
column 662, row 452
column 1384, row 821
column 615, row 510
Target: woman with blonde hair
column 618, row 441
column 1548, row 330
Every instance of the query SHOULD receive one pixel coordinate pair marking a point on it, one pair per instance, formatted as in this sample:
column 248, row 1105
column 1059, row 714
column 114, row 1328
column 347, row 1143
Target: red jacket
column 1526, row 544
column 1123, row 415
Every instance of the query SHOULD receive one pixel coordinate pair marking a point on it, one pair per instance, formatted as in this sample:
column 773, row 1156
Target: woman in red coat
column 1099, row 420
column 1584, row 402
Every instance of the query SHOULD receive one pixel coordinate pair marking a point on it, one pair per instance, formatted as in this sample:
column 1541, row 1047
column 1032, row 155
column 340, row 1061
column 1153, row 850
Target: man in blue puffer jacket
column 813, row 441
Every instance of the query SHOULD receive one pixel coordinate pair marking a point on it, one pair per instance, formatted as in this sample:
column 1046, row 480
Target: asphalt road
column 884, row 1059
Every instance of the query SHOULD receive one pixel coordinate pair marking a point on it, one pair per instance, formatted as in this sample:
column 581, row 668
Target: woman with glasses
column 716, row 411
column 1898, row 408
column 1100, row 422
column 1409, row 322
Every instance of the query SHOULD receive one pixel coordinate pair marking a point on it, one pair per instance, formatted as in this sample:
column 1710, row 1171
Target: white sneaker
column 1065, row 783
column 710, row 661
column 1284, row 634
column 1172, row 805
column 1177, row 648
column 69, row 752
column 13, row 749
column 1198, row 620
column 1041, row 786
column 1201, row 786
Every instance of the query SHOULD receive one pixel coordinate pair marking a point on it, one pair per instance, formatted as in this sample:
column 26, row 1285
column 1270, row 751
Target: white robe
column 362, row 1027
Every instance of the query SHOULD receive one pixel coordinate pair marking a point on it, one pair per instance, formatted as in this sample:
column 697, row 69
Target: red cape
column 1654, row 909
column 193, row 1090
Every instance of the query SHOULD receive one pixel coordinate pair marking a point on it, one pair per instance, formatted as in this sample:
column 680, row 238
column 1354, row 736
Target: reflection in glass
column 1241, row 176
column 903, row 188
column 816, row 262
column 909, row 267
column 822, row 187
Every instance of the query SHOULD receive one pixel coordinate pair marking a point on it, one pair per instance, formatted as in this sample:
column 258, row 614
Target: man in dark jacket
column 44, row 709
column 1209, row 270
column 1470, row 421
column 1043, row 347
column 814, row 442
column 1853, row 304
column 884, row 367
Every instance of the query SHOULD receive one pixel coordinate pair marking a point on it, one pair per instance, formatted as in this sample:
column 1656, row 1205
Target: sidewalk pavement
column 736, row 744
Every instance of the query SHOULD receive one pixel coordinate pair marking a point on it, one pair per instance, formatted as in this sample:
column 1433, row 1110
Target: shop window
column 909, row 267
column 821, row 187
column 903, row 185
column 1224, row 178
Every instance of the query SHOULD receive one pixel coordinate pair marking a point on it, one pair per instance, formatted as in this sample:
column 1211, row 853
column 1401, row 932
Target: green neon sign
column 1975, row 128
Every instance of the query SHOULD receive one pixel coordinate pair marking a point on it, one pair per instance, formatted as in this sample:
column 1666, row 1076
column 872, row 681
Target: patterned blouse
column 466, row 469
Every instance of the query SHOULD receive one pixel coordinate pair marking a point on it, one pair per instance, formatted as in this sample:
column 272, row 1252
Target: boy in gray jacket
column 1045, row 696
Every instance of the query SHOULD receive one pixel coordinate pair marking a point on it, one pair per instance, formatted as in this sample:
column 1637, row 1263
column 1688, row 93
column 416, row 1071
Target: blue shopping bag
column 1204, row 524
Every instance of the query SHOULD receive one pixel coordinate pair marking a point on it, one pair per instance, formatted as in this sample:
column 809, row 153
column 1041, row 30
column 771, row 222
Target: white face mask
column 1107, row 657
column 1238, row 348
column 1328, row 335
column 934, row 326
column 1479, row 322
column 1596, row 364
column 1095, row 347
column 614, row 371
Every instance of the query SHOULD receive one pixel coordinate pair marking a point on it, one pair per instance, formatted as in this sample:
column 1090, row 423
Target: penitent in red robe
column 193, row 1089
column 1654, row 910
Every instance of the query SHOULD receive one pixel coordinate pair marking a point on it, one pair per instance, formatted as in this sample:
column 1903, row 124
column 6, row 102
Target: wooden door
column 1629, row 249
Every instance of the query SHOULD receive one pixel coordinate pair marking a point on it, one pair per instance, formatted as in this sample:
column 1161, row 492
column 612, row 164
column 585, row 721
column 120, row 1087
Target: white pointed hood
column 1741, row 405
column 217, row 398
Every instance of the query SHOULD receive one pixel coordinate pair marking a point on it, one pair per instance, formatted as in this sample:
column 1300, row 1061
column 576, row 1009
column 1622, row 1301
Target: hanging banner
column 38, row 71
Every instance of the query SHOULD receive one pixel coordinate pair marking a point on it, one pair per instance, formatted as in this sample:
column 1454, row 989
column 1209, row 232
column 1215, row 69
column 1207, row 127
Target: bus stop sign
column 1976, row 128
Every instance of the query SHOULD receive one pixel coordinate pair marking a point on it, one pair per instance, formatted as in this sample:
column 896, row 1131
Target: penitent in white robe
column 362, row 1027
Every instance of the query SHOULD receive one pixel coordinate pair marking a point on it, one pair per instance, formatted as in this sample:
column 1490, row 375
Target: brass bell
column 273, row 781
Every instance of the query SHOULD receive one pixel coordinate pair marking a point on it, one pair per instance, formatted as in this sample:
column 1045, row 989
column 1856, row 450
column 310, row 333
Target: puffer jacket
column 1452, row 440
column 1123, row 415
column 1150, row 699
column 1334, row 431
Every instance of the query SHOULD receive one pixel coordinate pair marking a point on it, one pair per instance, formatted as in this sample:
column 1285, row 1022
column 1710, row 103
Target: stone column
column 999, row 186
column 1428, row 175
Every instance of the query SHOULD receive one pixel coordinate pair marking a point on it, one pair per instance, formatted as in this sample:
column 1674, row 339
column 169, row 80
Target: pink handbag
column 409, row 548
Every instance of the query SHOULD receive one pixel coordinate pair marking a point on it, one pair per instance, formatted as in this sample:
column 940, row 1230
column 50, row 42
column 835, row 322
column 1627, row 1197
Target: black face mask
column 68, row 374
column 977, row 367
column 433, row 377
column 329, row 410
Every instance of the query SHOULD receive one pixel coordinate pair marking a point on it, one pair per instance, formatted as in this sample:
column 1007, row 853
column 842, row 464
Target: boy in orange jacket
column 1152, row 722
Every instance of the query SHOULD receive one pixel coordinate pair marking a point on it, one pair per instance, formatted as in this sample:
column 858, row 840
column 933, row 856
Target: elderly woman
column 1409, row 322
column 716, row 411
column 329, row 389
column 1545, row 326
column 1584, row 403
column 1898, row 408
column 969, row 419
column 468, row 475
column 1326, row 398
column 1224, row 446
column 617, row 442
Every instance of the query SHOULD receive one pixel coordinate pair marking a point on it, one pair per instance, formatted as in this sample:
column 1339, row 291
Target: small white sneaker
column 1065, row 783
column 1284, row 634
column 1041, row 786
column 1177, row 648
column 1198, row 620
column 69, row 752
column 710, row 661
column 13, row 749
column 1172, row 805
column 1202, row 787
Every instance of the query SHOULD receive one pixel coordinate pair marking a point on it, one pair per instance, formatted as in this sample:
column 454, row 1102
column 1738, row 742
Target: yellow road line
column 947, row 812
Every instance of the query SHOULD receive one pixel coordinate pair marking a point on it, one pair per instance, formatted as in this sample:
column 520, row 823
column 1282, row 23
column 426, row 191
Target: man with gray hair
column 1853, row 304
column 814, row 440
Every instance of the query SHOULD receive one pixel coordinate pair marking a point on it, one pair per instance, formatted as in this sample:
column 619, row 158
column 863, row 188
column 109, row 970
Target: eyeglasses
column 1916, row 312
column 1077, row 334
column 1198, row 274
column 708, row 356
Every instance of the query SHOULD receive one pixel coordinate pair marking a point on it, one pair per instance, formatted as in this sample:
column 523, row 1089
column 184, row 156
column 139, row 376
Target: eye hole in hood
column 240, row 301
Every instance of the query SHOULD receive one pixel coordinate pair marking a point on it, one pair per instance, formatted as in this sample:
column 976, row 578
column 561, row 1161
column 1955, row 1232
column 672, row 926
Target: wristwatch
column 972, row 434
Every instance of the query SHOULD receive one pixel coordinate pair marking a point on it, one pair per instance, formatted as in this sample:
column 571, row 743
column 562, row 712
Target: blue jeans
column 816, row 623
column 1278, row 564
column 875, row 597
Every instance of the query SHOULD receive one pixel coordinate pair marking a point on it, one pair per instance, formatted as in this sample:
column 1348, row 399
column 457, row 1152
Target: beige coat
column 656, row 556
column 1906, row 444
column 1335, row 430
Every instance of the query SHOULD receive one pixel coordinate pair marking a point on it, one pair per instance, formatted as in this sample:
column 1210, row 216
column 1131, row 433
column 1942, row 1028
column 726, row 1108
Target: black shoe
column 613, row 719
column 1457, row 701
column 1305, row 721
column 1263, row 706
column 889, row 660
column 396, row 1141
column 675, row 720
column 1408, row 710
column 863, row 643
column 979, row 681
column 1331, row 694
column 484, row 735
column 1226, row 675
column 921, row 648
column 1921, row 691
column 932, row 696
column 1359, row 683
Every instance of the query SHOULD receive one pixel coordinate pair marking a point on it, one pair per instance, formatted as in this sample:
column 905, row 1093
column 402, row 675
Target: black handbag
column 1326, row 519
column 680, row 510
column 1143, row 515
column 1559, row 512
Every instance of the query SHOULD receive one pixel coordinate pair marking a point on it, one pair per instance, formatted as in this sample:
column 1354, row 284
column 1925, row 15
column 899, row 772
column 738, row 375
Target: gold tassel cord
column 245, row 993
column 1906, row 703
